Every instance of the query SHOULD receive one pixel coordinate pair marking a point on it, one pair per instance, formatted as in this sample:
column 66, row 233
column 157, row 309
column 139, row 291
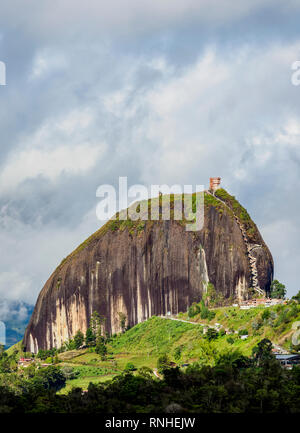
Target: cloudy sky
column 160, row 91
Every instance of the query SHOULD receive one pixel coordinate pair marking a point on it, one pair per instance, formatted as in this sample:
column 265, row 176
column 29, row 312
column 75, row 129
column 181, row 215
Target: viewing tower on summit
column 214, row 183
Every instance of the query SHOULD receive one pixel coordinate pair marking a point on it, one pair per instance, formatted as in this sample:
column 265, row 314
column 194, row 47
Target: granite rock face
column 142, row 271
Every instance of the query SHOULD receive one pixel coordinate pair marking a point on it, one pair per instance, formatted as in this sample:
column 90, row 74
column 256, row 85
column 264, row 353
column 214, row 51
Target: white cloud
column 31, row 163
column 46, row 62
column 31, row 253
column 13, row 310
column 59, row 146
column 191, row 88
column 150, row 15
column 163, row 91
column 130, row 17
column 13, row 285
column 75, row 122
column 214, row 110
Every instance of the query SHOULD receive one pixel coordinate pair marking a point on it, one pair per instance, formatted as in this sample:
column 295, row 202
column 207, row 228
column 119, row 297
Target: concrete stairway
column 250, row 248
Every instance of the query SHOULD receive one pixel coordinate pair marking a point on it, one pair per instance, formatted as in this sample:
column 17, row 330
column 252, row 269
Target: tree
column 130, row 367
column 172, row 377
column 101, row 348
column 90, row 338
column 44, row 353
column 193, row 310
column 70, row 344
column 163, row 363
column 211, row 334
column 123, row 319
column 256, row 325
column 69, row 372
column 78, row 339
column 228, row 357
column 50, row 378
column 5, row 363
column 297, row 297
column 2, row 351
column 278, row 290
column 211, row 293
column 145, row 372
column 97, row 322
column 211, row 315
column 262, row 353
column 222, row 332
column 204, row 313
column 177, row 353
column 266, row 314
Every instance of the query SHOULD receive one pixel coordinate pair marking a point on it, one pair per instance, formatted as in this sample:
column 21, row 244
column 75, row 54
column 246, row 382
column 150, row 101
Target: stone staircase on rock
column 250, row 247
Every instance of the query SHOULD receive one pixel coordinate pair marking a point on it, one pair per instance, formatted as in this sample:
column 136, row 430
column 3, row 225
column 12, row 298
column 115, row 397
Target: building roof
column 281, row 357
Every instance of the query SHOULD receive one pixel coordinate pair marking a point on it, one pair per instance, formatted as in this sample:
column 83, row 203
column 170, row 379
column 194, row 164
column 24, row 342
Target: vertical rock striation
column 144, row 269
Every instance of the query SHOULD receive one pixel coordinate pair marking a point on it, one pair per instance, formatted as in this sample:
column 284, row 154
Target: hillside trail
column 249, row 247
column 278, row 348
column 187, row 321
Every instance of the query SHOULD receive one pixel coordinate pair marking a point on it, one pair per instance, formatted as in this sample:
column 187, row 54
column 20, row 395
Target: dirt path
column 157, row 374
column 187, row 321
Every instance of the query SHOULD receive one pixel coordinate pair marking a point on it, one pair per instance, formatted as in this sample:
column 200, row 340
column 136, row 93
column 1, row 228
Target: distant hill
column 15, row 315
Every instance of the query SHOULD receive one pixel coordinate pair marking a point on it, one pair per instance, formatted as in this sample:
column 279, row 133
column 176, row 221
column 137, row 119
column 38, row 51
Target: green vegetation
column 163, row 362
column 193, row 310
column 236, row 207
column 205, row 313
column 202, row 309
column 122, row 318
column 234, row 384
column 78, row 339
column 297, row 297
column 136, row 227
column 129, row 367
column 90, row 338
column 211, row 347
column 16, row 349
column 211, row 334
column 44, row 354
column 7, row 362
column 278, row 290
column 274, row 322
column 241, row 213
column 101, row 349
column 154, row 337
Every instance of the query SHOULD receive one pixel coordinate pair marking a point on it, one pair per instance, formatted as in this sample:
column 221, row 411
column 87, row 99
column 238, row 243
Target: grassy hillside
column 155, row 336
column 274, row 322
column 183, row 342
column 16, row 347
